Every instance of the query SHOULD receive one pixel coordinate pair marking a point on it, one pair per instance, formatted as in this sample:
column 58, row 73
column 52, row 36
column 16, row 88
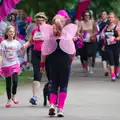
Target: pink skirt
column 9, row 71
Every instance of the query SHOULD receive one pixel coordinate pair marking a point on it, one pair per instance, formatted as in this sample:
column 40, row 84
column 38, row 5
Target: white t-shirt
column 3, row 27
column 9, row 51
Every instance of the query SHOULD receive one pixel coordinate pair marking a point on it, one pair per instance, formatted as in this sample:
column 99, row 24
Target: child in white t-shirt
column 10, row 65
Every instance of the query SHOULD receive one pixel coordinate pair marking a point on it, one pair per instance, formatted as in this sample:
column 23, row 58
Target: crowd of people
column 25, row 41
column 102, row 36
column 23, row 26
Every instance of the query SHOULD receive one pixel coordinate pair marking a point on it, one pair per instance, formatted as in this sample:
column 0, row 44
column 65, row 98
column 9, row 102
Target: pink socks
column 61, row 99
column 53, row 98
column 116, row 70
column 113, row 75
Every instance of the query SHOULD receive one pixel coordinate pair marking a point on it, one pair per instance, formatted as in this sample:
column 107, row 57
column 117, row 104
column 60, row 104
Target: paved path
column 89, row 98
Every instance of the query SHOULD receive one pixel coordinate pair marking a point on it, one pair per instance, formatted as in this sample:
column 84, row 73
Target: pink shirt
column 37, row 37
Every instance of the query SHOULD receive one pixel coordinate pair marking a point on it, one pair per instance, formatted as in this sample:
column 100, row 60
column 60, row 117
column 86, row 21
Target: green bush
column 23, row 79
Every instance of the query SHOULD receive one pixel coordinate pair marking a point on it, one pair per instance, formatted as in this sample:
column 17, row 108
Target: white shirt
column 3, row 27
column 9, row 51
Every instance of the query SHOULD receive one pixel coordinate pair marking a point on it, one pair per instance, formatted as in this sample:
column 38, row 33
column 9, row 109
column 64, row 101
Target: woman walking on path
column 60, row 49
column 111, row 36
column 36, row 39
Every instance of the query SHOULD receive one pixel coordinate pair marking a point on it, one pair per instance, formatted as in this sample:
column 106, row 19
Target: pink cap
column 63, row 13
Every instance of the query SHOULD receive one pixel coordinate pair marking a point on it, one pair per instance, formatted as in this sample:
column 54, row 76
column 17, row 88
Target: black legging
column 103, row 54
column 60, row 70
column 9, row 84
column 28, row 54
column 36, row 58
column 89, row 50
column 113, row 54
column 48, row 69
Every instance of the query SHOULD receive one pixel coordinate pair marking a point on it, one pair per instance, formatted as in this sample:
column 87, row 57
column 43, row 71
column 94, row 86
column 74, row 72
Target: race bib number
column 10, row 55
column 110, row 41
column 38, row 36
column 87, row 38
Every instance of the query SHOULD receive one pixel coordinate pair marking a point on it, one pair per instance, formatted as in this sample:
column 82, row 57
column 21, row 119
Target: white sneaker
column 60, row 113
column 52, row 110
column 91, row 70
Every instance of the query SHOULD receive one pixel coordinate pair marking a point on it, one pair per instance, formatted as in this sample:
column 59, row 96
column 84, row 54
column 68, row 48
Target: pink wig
column 63, row 13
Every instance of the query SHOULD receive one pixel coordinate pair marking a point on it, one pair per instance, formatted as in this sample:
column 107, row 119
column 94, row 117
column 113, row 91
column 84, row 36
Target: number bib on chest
column 38, row 35
column 10, row 55
column 88, row 37
column 110, row 41
column 110, row 37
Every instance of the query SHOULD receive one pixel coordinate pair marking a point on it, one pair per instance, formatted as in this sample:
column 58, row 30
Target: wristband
column 42, row 64
column 115, row 39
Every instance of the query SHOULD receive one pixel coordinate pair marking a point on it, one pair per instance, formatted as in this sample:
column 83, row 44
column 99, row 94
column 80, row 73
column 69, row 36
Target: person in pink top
column 111, row 35
column 10, row 65
column 36, row 39
column 60, row 49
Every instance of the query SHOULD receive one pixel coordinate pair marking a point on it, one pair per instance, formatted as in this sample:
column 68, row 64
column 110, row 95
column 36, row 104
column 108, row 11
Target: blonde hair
column 7, row 29
column 59, row 22
column 112, row 13
column 115, row 16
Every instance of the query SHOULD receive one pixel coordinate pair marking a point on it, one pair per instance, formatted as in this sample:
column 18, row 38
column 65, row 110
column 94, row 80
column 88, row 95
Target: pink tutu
column 9, row 71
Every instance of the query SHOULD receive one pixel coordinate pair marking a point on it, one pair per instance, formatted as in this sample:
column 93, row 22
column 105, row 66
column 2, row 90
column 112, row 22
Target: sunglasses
column 40, row 17
column 40, row 20
column 86, row 15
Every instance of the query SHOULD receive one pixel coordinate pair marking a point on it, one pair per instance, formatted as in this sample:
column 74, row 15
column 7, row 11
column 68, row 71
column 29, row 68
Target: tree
column 108, row 5
column 48, row 6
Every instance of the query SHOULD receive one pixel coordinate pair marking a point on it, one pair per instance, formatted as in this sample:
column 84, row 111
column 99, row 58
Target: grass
column 23, row 79
column 2, row 86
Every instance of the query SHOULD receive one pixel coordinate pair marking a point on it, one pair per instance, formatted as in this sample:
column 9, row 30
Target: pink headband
column 63, row 13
